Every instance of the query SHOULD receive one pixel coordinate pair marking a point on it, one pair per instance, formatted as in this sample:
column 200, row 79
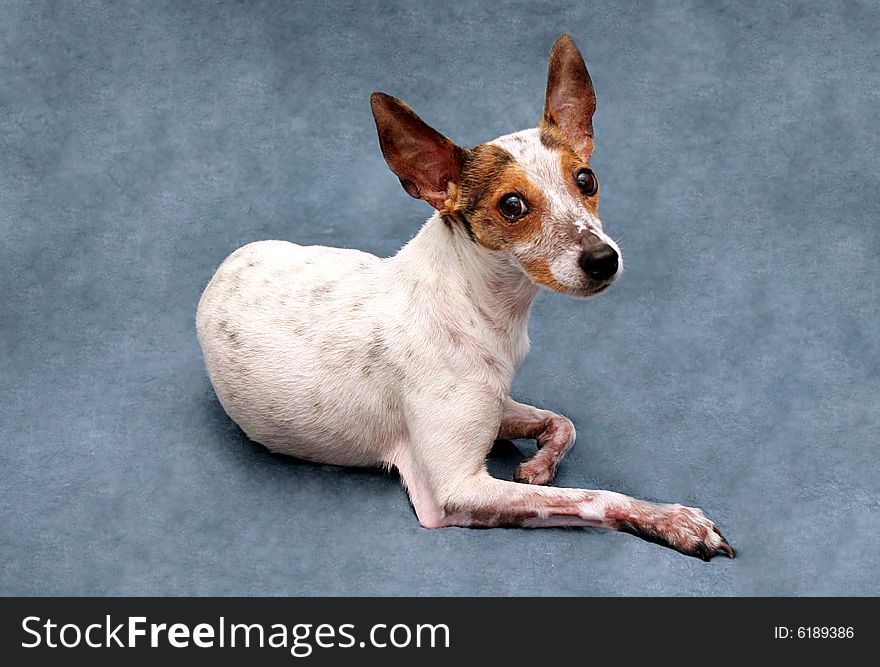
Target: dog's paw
column 685, row 529
column 536, row 470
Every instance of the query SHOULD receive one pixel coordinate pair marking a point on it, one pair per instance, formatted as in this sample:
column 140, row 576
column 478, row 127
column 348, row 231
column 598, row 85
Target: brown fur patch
column 539, row 270
column 489, row 173
column 515, row 512
column 521, row 427
column 230, row 333
column 322, row 290
column 554, row 139
column 376, row 348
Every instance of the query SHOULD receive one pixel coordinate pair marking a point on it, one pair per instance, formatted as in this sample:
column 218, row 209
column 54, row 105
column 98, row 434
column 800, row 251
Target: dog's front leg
column 444, row 471
column 555, row 435
column 485, row 501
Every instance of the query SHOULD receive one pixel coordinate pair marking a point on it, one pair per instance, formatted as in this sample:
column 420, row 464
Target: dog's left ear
column 571, row 101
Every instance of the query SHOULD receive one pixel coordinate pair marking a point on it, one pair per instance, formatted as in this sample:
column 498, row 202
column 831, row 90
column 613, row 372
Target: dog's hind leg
column 555, row 435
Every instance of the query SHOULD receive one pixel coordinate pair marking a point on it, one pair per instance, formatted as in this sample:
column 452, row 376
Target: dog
column 339, row 357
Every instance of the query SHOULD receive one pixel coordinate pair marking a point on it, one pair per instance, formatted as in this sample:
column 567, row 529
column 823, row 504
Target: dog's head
column 531, row 194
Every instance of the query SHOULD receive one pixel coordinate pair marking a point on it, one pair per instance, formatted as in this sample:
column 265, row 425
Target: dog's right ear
column 425, row 161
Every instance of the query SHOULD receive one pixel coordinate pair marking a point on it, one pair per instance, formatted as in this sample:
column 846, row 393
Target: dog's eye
column 587, row 182
column 512, row 206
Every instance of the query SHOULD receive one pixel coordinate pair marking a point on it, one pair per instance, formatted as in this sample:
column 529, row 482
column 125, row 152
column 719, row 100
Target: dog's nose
column 600, row 263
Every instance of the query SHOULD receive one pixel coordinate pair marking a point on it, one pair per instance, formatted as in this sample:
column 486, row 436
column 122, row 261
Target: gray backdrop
column 734, row 367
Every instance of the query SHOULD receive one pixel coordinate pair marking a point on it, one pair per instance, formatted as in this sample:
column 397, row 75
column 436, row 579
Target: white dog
column 341, row 357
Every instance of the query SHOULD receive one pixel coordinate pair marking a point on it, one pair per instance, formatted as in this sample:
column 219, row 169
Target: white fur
column 340, row 357
column 349, row 373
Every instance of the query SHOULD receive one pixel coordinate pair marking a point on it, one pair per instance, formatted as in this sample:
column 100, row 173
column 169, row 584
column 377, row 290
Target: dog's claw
column 707, row 553
column 726, row 549
column 704, row 552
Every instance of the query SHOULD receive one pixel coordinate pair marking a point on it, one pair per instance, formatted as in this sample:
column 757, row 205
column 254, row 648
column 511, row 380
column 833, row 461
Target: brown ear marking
column 426, row 162
column 570, row 101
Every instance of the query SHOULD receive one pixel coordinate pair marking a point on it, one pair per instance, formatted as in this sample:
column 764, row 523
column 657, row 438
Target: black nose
column 600, row 263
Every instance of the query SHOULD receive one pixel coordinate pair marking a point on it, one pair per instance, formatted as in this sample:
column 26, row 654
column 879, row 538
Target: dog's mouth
column 597, row 288
column 591, row 290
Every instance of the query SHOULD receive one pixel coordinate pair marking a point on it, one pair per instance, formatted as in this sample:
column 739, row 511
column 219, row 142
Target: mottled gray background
column 734, row 367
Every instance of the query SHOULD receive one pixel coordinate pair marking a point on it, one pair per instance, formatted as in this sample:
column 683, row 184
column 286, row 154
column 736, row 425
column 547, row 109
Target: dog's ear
column 424, row 160
column 570, row 101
